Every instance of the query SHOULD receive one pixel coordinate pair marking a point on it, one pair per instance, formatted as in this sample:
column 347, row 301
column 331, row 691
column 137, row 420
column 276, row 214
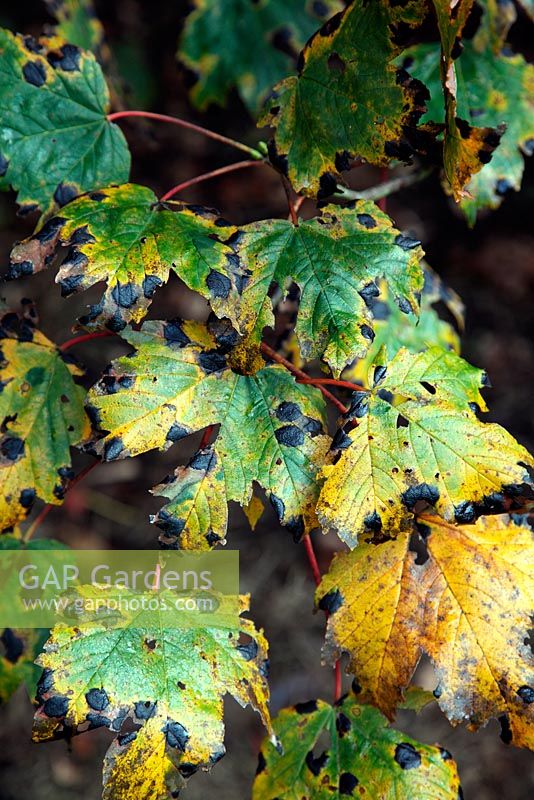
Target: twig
column 274, row 356
column 354, row 387
column 291, row 206
column 207, row 175
column 182, row 123
column 382, row 190
column 85, row 337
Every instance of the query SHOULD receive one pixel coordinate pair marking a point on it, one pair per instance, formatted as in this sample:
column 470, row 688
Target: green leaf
column 18, row 651
column 348, row 100
column 394, row 329
column 363, row 758
column 414, row 438
column 251, row 46
column 77, row 23
column 335, row 260
column 42, row 415
column 122, row 235
column 492, row 90
column 171, row 682
column 272, row 430
column 55, row 140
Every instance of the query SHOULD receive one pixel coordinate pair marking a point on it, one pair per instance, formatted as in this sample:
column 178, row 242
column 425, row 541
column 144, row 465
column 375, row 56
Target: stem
column 338, row 687
column 382, row 190
column 291, row 206
column 85, row 337
column 207, row 175
column 49, row 506
column 382, row 203
column 355, row 387
column 206, row 436
column 274, row 356
column 182, row 123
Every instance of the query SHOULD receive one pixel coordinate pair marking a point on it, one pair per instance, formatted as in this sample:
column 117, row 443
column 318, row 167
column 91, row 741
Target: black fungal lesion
column 420, row 493
column 307, row 707
column 66, row 58
column 347, row 783
column 173, row 333
column 406, row 756
column 316, row 763
column 34, row 73
column 176, row 735
column 331, row 601
column 13, row 645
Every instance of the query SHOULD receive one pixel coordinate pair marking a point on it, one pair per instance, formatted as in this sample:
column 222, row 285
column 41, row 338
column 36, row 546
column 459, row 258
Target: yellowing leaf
column 414, row 437
column 170, row 682
column 462, row 594
column 77, row 23
column 272, row 430
column 254, row 511
column 42, row 415
column 123, row 236
column 348, row 99
column 363, row 758
column 55, row 139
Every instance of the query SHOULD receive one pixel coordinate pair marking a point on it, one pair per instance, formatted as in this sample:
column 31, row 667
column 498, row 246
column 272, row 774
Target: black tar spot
column 406, row 242
column 288, row 412
column 27, row 498
column 150, row 284
column 67, row 59
column 343, row 724
column 423, row 491
column 367, row 221
column 212, row 361
column 248, row 651
column 12, row 448
column 65, row 192
column 173, row 333
column 14, row 647
column 407, row 756
column 97, row 699
column 34, row 73
column 56, row 706
column 176, row 735
column 526, row 693
column 144, row 710
column 218, row 284
column 290, row 436
column 331, row 602
column 113, row 449
column 315, row 765
column 306, row 708
column 347, row 783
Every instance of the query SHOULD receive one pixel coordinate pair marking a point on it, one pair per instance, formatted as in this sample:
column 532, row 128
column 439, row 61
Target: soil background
column 491, row 267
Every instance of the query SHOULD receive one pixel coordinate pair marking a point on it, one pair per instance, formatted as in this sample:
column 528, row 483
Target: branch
column 207, row 175
column 182, row 123
column 382, row 190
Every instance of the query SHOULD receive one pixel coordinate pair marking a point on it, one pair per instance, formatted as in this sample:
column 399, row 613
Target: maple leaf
column 335, row 260
column 493, row 89
column 272, row 430
column 364, row 758
column 170, row 682
column 394, row 329
column 414, row 437
column 122, row 235
column 462, row 594
column 55, row 139
column 77, row 23
column 42, row 411
column 227, row 43
column 348, row 100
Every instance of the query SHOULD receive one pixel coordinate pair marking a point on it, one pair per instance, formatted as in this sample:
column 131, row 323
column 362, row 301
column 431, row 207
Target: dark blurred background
column 491, row 267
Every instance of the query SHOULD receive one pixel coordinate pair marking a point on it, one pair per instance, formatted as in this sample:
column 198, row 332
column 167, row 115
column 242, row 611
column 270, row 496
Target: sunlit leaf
column 55, row 139
column 42, row 415
column 251, row 46
column 462, row 594
column 414, row 438
column 348, row 99
column 348, row 750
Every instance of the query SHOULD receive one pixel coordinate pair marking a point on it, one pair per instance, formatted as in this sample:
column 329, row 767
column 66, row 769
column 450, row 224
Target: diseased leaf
column 251, row 46
column 335, row 260
column 125, row 237
column 466, row 602
column 55, row 139
column 465, row 148
column 272, row 430
column 493, row 89
column 18, row 651
column 364, row 758
column 394, row 329
column 42, row 414
column 77, row 23
column 348, row 100
column 414, row 437
column 171, row 682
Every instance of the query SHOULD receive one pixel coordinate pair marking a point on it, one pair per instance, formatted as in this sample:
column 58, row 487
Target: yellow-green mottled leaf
column 42, row 415
column 272, row 430
column 466, row 600
column 493, row 89
column 394, row 329
column 251, row 46
column 77, row 23
column 348, row 100
column 55, row 139
column 123, row 236
column 414, row 438
column 349, row 750
column 171, row 682
column 335, row 260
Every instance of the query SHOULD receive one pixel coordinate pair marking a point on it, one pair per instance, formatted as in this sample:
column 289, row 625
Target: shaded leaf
column 272, row 430
column 465, row 600
column 492, row 90
column 413, row 438
column 55, row 140
column 125, row 237
column 42, row 415
column 169, row 682
column 394, row 329
column 18, row 651
column 335, row 260
column 77, row 23
column 348, row 100
column 251, row 46
column 364, row 758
